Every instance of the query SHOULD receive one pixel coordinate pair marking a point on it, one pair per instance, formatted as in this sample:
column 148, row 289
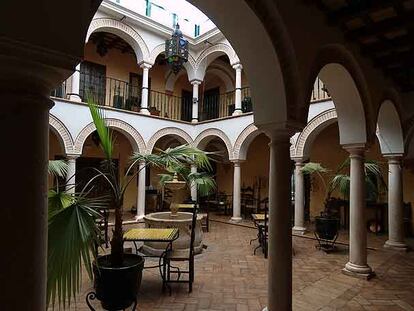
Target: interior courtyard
column 303, row 108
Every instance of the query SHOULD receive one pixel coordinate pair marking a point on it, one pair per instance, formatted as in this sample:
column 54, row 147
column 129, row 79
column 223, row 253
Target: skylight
column 168, row 12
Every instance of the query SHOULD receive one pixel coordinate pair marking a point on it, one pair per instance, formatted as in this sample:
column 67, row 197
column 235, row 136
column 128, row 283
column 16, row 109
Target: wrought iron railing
column 169, row 106
column 319, row 92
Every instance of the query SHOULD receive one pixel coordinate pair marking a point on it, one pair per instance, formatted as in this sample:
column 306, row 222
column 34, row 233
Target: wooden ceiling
column 384, row 30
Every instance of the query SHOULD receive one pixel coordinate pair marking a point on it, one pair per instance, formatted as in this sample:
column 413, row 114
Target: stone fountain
column 174, row 219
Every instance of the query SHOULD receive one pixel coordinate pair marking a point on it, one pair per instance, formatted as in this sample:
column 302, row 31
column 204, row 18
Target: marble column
column 193, row 185
column 280, row 230
column 395, row 205
column 357, row 265
column 75, row 82
column 237, row 96
column 299, row 226
column 195, row 107
column 144, row 96
column 71, row 173
column 141, row 190
column 236, row 192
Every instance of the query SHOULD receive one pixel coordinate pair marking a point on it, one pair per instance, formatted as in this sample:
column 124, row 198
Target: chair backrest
column 193, row 228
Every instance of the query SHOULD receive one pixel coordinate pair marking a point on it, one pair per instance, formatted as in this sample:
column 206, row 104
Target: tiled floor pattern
column 229, row 277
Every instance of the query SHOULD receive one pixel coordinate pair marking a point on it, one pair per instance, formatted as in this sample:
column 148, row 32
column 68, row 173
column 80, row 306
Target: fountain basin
column 183, row 222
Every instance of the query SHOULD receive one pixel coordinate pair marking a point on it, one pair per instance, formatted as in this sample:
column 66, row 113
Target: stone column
column 299, row 226
column 75, row 82
column 71, row 174
column 193, row 185
column 357, row 264
column 141, row 191
column 237, row 95
column 144, row 96
column 236, row 192
column 195, row 84
column 395, row 205
column 280, row 230
column 24, row 132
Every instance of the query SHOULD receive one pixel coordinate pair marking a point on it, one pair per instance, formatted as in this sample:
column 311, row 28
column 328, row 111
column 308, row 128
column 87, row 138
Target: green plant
column 73, row 230
column 340, row 180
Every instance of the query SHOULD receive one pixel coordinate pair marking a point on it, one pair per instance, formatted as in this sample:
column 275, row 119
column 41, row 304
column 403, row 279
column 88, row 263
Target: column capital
column 237, row 162
column 195, row 81
column 299, row 161
column 237, row 66
column 145, row 65
column 394, row 157
column 72, row 156
column 355, row 149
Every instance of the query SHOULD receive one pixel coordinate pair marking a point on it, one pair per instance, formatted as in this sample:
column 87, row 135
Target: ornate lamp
column 176, row 50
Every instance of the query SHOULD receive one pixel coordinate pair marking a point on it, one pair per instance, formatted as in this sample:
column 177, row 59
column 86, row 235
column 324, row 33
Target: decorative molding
column 132, row 134
column 175, row 131
column 220, row 47
column 62, row 132
column 324, row 118
column 243, row 141
column 214, row 132
column 125, row 32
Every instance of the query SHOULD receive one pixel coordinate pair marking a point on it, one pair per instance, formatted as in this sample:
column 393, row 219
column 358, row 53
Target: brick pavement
column 229, row 277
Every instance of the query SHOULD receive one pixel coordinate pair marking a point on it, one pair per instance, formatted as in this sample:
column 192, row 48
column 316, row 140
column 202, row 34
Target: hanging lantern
column 176, row 50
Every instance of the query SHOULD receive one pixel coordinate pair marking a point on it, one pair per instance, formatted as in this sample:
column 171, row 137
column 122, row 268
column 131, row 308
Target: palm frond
column 72, row 237
column 105, row 134
column 312, row 167
column 340, row 182
column 57, row 168
column 204, row 182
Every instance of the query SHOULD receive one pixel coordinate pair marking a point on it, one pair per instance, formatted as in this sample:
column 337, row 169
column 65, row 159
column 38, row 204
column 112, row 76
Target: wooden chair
column 182, row 256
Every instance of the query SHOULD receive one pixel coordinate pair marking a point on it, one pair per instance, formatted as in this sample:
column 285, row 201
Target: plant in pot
column 327, row 224
column 73, row 237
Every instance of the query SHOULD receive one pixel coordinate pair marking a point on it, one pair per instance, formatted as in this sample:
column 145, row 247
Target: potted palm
column 327, row 224
column 116, row 275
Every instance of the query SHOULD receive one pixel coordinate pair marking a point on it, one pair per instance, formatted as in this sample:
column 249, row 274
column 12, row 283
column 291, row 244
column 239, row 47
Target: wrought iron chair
column 182, row 256
column 262, row 234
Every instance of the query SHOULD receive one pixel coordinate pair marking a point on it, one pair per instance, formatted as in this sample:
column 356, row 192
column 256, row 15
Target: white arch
column 348, row 103
column 174, row 131
column 301, row 149
column 125, row 32
column 131, row 133
column 389, row 129
column 214, row 51
column 172, row 79
column 62, row 133
column 244, row 140
column 207, row 135
column 222, row 75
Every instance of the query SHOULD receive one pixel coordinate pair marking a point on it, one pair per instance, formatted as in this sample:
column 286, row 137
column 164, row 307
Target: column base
column 75, row 98
column 237, row 112
column 396, row 246
column 265, row 309
column 357, row 271
column 299, row 230
column 236, row 219
column 138, row 218
column 194, row 121
column 145, row 111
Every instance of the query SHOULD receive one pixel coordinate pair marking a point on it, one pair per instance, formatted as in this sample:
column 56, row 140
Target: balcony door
column 211, row 104
column 186, row 105
column 93, row 82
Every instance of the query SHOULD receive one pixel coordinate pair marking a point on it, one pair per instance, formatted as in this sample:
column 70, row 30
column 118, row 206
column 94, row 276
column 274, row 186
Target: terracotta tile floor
column 229, row 277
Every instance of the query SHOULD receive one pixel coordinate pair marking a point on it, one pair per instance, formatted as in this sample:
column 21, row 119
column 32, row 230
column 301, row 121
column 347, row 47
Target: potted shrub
column 327, row 224
column 73, row 230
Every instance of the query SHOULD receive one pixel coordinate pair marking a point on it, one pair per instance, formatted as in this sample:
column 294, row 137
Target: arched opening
column 92, row 157
column 390, row 131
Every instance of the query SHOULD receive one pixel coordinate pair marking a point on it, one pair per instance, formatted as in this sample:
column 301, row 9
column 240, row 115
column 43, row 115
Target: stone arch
column 276, row 57
column 62, row 133
column 207, row 135
column 174, row 131
column 301, row 148
column 347, row 86
column 244, row 140
column 125, row 32
column 389, row 129
column 214, row 51
column 135, row 138
column 223, row 76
